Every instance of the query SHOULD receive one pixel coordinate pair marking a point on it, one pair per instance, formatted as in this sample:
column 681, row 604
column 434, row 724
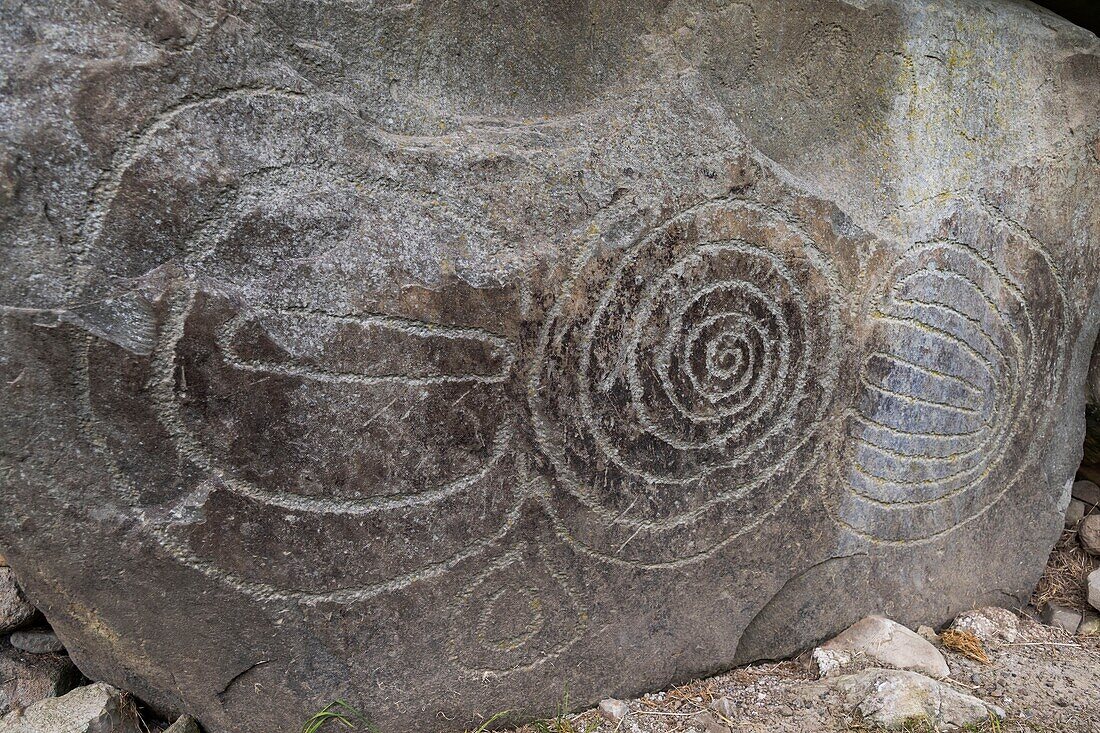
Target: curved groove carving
column 335, row 454
column 520, row 613
column 954, row 362
column 682, row 382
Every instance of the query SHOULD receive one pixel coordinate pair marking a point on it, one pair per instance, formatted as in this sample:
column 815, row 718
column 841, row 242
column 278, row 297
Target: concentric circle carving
column 683, row 380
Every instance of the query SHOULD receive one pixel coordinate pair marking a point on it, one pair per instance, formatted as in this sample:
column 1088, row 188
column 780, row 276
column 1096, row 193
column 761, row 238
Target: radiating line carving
column 955, row 362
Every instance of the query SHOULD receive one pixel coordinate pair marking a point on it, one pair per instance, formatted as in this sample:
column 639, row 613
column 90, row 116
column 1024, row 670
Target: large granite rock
column 444, row 357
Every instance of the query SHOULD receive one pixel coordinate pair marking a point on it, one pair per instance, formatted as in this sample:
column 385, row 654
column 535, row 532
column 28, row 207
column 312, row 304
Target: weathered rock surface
column 880, row 641
column 1088, row 534
column 1087, row 492
column 1061, row 617
column 96, row 708
column 424, row 348
column 15, row 609
column 184, row 724
column 893, row 698
column 36, row 641
column 1075, row 512
column 990, row 624
column 27, row 678
column 1094, row 589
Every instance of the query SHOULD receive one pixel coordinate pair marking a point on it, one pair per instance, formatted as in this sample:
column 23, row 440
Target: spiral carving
column 682, row 382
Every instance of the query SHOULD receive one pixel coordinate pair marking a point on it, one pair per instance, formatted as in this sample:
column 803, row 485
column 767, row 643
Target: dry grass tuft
column 1065, row 579
column 966, row 644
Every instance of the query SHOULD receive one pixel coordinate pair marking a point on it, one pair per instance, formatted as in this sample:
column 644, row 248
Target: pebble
column 1090, row 625
column 1061, row 617
column 1086, row 491
column 37, row 641
column 1088, row 534
column 709, row 723
column 611, row 710
column 1075, row 512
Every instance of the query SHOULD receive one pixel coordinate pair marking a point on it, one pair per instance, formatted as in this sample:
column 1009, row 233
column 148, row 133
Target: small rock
column 881, row 641
column 1075, row 512
column 27, row 678
column 1094, row 589
column 15, row 609
column 1088, row 534
column 1086, row 491
column 187, row 724
column 1061, row 617
column 1090, row 625
column 709, row 723
column 928, row 633
column 97, row 708
column 610, row 709
column 989, row 624
column 894, row 698
column 37, row 641
column 725, row 707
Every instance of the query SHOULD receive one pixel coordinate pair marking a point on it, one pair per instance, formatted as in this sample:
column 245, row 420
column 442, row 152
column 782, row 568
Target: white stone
column 96, row 708
column 882, row 642
column 892, row 698
column 989, row 624
column 613, row 710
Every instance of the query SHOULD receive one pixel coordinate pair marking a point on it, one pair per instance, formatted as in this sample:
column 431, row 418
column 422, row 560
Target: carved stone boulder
column 444, row 358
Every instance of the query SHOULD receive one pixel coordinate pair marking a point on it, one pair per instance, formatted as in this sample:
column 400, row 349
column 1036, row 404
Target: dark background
column 1084, row 13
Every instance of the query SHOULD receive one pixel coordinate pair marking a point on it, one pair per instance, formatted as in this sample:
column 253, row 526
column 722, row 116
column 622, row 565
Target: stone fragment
column 1087, row 492
column 37, row 641
column 184, row 724
column 1088, row 534
column 1094, row 589
column 1075, row 512
column 96, row 708
column 613, row 710
column 1061, row 617
column 880, row 641
column 1090, row 625
column 991, row 623
column 928, row 633
column 15, row 609
column 455, row 339
column 28, row 678
column 895, row 698
column 725, row 707
column 705, row 721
